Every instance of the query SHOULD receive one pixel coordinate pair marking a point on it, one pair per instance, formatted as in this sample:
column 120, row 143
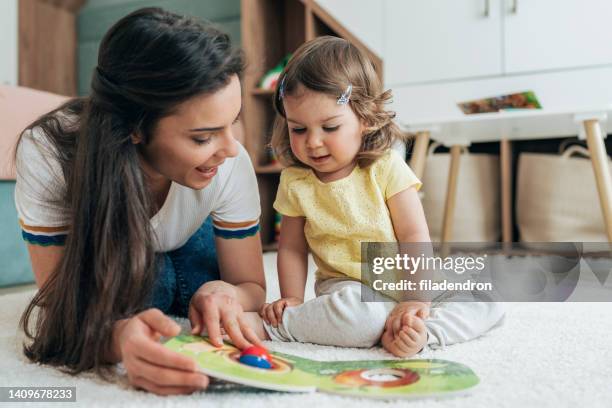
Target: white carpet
column 546, row 355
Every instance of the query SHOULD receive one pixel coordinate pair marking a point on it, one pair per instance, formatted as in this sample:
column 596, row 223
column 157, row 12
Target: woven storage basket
column 477, row 208
column 557, row 199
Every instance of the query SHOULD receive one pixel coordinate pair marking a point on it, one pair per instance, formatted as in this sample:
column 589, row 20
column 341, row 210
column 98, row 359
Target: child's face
column 324, row 135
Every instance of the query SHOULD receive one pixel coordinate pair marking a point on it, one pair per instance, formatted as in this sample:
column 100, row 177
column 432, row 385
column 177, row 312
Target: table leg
column 505, row 153
column 599, row 159
column 451, row 194
column 419, row 153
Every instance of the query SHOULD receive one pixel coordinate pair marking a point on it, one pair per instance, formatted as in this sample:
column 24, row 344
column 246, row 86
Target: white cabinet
column 437, row 40
column 555, row 34
column 441, row 39
column 8, row 42
column 440, row 52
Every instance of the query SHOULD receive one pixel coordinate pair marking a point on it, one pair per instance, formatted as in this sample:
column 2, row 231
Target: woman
column 113, row 193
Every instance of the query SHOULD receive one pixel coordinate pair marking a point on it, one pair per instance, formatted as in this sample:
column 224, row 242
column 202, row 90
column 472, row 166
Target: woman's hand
column 214, row 307
column 272, row 313
column 150, row 365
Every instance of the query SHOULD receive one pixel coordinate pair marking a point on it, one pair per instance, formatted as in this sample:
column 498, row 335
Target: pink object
column 19, row 107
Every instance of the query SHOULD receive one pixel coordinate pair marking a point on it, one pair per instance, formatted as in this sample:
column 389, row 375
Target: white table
column 455, row 132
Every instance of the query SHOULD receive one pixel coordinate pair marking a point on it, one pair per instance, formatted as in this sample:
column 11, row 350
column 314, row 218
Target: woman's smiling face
column 188, row 146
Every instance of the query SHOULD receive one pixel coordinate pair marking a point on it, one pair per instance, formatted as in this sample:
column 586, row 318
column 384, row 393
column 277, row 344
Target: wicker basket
column 557, row 198
column 477, row 208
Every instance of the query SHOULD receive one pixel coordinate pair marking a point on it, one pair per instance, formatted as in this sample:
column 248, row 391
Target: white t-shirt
column 232, row 199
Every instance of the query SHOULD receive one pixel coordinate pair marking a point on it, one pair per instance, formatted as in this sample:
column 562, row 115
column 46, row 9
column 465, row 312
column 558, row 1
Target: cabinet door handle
column 487, row 9
column 514, row 8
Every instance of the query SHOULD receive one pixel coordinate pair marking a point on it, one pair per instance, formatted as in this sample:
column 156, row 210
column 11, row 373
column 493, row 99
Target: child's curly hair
column 329, row 64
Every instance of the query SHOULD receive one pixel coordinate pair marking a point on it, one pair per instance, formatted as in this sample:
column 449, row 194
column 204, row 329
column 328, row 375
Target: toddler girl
column 344, row 185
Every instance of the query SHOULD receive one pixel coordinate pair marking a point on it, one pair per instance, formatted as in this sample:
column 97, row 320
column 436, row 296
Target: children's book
column 519, row 100
column 369, row 378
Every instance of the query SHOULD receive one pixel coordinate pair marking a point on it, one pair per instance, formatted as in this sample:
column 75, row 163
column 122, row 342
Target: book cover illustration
column 368, row 378
column 519, row 100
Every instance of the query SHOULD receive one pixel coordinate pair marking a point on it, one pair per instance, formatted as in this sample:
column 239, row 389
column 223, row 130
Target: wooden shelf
column 268, row 169
column 271, row 29
column 47, row 44
column 262, row 92
column 272, row 246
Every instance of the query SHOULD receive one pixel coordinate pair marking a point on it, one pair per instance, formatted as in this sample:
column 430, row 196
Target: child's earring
column 346, row 96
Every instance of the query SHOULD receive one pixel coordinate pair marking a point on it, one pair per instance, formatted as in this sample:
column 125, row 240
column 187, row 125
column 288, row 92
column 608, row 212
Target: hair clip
column 346, row 96
column 281, row 88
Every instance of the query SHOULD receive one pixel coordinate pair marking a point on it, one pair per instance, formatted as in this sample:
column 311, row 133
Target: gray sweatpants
column 338, row 317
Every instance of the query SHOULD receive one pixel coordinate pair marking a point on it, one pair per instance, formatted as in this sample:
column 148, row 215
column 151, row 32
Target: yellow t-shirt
column 343, row 213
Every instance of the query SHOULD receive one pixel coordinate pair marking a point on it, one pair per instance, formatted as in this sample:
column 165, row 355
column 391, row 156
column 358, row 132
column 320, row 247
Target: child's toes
column 402, row 345
column 413, row 334
column 417, row 324
column 398, row 324
column 407, row 339
column 407, row 319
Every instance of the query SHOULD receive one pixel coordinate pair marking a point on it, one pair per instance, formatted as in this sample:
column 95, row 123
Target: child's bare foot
column 408, row 340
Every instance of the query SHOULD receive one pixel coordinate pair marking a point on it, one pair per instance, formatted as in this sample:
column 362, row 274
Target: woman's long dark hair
column 148, row 63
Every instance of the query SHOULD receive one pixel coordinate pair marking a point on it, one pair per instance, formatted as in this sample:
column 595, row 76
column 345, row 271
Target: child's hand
column 272, row 313
column 415, row 308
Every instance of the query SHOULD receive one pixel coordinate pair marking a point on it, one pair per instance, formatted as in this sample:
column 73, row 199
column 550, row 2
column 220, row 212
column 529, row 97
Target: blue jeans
column 182, row 271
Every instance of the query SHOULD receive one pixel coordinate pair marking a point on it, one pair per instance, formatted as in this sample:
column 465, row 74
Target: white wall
column 8, row 42
column 364, row 18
